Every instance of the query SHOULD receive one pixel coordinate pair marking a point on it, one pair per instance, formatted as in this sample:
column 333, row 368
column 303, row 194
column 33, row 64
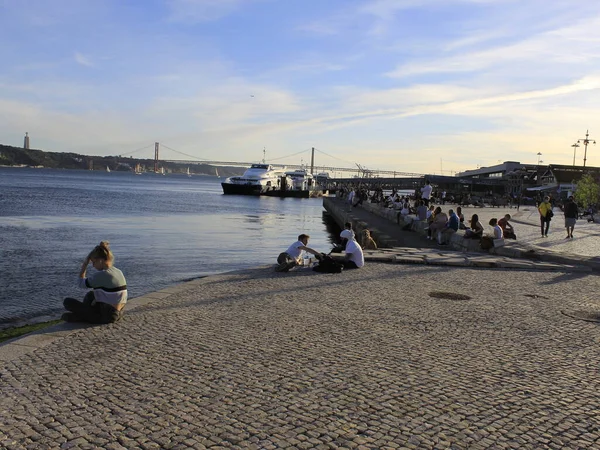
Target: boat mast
column 312, row 162
column 264, row 154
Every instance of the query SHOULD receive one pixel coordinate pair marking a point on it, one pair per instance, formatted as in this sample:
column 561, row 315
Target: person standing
column 426, row 192
column 571, row 214
column 291, row 257
column 103, row 304
column 545, row 210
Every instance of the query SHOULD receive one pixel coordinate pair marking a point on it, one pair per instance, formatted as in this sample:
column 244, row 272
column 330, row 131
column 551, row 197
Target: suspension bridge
column 359, row 170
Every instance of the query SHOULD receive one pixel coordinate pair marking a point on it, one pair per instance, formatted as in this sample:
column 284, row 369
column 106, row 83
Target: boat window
column 259, row 166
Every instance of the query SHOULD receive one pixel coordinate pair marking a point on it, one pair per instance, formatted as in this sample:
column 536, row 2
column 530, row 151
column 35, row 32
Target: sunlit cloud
column 83, row 60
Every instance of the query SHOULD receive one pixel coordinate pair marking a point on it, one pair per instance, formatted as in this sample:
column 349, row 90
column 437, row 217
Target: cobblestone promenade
column 366, row 359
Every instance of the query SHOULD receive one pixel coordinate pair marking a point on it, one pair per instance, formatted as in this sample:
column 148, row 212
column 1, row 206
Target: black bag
column 549, row 214
column 486, row 242
column 328, row 265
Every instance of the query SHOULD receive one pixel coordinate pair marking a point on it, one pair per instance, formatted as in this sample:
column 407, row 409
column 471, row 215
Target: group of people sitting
column 353, row 259
column 441, row 226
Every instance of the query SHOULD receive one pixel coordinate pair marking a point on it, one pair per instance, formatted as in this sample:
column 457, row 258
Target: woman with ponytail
column 105, row 302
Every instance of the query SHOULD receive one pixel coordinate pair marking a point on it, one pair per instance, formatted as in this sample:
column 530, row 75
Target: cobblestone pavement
column 366, row 359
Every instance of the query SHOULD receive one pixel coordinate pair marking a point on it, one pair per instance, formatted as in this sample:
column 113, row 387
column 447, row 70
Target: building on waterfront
column 498, row 171
column 26, row 141
column 563, row 179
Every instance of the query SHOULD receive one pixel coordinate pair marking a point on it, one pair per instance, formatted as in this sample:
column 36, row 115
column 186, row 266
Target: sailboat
column 188, row 172
column 216, row 172
column 107, row 169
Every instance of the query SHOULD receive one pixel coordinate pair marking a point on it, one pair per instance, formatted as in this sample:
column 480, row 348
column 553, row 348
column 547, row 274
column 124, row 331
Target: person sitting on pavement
column 105, row 303
column 451, row 227
column 571, row 214
column 430, row 212
column 461, row 218
column 343, row 234
column 498, row 233
column 368, row 243
column 476, row 230
column 421, row 211
column 507, row 228
column 292, row 256
column 438, row 223
column 354, row 258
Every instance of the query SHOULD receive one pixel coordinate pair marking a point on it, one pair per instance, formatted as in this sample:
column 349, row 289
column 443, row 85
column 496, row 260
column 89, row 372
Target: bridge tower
column 156, row 147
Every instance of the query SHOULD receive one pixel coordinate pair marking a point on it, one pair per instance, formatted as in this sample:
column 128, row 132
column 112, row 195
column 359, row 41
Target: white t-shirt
column 294, row 250
column 498, row 234
column 356, row 253
column 426, row 191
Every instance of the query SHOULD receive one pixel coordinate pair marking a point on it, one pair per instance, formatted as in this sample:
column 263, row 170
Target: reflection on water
column 162, row 230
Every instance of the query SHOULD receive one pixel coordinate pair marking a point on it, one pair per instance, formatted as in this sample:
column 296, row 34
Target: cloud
column 83, row 60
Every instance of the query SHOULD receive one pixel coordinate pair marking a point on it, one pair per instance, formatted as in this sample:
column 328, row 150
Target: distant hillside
column 15, row 156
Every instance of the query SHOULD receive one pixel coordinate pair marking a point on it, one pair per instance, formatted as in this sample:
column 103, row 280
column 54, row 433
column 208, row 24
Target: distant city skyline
column 424, row 86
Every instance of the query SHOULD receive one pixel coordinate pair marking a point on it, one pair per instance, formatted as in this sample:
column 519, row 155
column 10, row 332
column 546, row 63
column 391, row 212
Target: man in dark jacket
column 571, row 214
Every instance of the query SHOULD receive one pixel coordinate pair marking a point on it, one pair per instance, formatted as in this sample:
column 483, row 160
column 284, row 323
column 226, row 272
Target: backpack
column 486, row 243
column 328, row 265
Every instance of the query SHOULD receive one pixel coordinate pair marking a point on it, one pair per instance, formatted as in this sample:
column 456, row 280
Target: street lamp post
column 586, row 141
column 575, row 145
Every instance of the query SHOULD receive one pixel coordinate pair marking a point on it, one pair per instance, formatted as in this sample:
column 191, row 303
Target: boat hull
column 296, row 193
column 242, row 189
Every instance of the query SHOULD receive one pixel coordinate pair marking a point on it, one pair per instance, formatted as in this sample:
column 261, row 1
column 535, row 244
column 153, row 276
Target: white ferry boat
column 258, row 179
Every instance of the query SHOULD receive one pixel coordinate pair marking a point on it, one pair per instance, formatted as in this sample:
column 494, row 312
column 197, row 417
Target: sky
column 419, row 86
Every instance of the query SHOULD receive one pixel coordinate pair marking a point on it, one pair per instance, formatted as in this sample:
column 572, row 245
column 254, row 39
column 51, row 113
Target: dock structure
column 454, row 185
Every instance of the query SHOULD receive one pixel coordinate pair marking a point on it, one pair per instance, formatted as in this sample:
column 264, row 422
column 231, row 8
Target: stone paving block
column 381, row 258
column 446, row 261
column 400, row 259
column 158, row 295
column 516, row 264
column 483, row 262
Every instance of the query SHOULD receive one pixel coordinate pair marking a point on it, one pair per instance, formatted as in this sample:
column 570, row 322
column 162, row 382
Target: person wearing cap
column 346, row 232
column 291, row 257
column 354, row 255
column 545, row 210
column 571, row 214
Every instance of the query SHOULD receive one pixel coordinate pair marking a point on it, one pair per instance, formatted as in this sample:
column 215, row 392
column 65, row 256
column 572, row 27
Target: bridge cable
column 334, row 157
column 289, row 156
column 184, row 154
column 137, row 150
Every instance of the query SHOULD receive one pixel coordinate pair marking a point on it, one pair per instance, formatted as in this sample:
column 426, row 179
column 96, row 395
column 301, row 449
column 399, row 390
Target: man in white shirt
column 291, row 257
column 347, row 233
column 354, row 255
column 426, row 192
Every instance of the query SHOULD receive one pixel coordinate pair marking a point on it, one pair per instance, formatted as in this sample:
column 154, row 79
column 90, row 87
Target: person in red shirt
column 507, row 228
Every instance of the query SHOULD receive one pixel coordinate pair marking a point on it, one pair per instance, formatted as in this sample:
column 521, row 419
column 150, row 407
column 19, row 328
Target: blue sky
column 410, row 85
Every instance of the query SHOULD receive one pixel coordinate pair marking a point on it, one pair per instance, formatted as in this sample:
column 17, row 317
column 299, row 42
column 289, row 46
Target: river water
column 163, row 230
